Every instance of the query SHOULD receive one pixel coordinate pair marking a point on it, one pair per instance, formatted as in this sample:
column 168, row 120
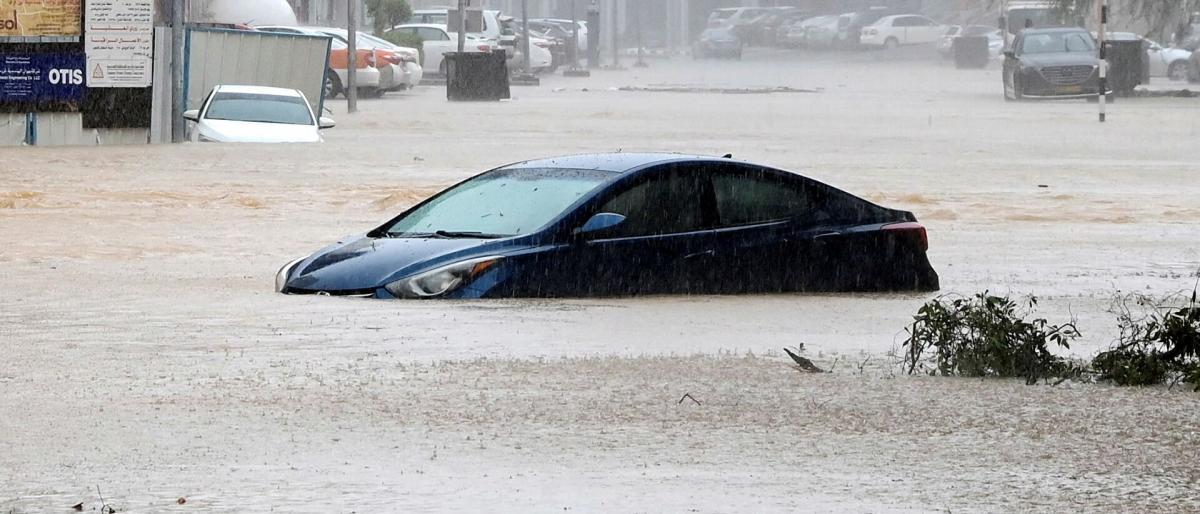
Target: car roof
column 1052, row 30
column 420, row 26
column 259, row 90
column 619, row 162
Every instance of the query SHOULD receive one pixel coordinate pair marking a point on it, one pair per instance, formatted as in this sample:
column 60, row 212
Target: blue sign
column 32, row 79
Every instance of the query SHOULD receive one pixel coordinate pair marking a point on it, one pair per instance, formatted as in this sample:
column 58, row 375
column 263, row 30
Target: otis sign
column 29, row 81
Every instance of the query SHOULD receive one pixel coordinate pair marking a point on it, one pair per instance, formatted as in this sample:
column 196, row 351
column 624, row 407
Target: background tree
column 388, row 13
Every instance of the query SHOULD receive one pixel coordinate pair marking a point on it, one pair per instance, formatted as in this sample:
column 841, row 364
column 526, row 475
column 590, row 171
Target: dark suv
column 1052, row 63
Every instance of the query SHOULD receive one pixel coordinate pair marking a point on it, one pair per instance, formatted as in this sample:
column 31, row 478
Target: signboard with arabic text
column 119, row 42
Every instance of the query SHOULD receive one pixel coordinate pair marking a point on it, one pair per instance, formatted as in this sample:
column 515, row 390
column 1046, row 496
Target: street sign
column 119, row 42
column 22, row 18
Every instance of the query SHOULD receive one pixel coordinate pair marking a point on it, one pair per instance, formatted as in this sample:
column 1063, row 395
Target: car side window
column 922, row 22
column 668, row 203
column 749, row 196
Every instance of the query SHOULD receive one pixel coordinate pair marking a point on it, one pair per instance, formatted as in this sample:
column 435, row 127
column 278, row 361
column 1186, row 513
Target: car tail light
column 394, row 59
column 484, row 47
column 912, row 227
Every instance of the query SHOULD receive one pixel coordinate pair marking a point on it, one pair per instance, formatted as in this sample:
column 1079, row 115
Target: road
column 146, row 353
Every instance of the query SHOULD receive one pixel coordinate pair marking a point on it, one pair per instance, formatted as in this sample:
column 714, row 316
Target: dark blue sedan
column 625, row 224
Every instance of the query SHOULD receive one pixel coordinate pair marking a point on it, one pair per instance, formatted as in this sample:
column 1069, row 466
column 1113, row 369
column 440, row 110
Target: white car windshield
column 259, row 108
column 500, row 203
column 1057, row 42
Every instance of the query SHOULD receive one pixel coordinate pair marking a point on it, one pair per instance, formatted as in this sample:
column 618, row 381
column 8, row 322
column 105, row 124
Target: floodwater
column 146, row 354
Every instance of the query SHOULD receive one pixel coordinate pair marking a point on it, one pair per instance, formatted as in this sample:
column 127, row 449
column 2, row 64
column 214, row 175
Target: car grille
column 1066, row 75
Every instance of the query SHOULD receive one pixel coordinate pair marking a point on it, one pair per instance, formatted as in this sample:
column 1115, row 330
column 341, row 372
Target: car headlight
column 281, row 277
column 439, row 281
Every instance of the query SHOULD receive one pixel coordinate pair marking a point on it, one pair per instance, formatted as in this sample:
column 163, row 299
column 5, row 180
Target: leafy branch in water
column 987, row 336
column 1158, row 340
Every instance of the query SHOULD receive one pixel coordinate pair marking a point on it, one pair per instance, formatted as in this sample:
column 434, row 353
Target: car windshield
column 1057, row 42
column 260, row 108
column 501, row 203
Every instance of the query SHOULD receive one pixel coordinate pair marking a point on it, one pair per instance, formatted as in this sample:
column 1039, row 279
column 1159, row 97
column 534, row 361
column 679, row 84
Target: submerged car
column 625, row 224
column 256, row 114
column 1051, row 63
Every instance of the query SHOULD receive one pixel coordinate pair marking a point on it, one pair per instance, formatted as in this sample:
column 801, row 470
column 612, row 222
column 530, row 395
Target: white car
column 392, row 73
column 409, row 60
column 1164, row 62
column 255, row 114
column 901, row 29
column 437, row 41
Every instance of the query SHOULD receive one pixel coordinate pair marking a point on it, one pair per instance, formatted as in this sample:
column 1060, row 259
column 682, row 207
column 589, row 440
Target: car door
column 767, row 225
column 437, row 41
column 663, row 237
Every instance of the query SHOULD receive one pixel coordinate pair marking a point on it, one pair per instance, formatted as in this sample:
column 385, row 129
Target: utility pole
column 637, row 21
column 574, row 70
column 1103, row 63
column 178, row 125
column 352, row 49
column 525, row 36
column 616, row 38
column 462, row 26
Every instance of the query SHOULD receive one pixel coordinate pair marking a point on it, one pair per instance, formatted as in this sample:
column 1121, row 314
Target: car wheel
column 333, row 85
column 1178, row 70
column 891, row 43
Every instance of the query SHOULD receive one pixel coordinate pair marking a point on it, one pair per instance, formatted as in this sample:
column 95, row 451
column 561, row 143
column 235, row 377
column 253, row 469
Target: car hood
column 363, row 263
column 226, row 131
column 1060, row 59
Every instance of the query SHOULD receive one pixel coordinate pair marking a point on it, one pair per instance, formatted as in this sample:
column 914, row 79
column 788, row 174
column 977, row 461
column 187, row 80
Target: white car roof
column 259, row 90
column 421, row 26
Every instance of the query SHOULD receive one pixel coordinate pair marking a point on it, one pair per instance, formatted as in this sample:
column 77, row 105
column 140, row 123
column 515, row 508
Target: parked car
column 594, row 225
column 717, row 42
column 255, row 114
column 394, row 73
column 850, row 26
column 437, row 42
column 784, row 29
column 566, row 26
column 1051, row 63
column 945, row 46
column 734, row 16
column 409, row 57
column 540, row 54
column 1163, row 62
column 901, row 29
column 366, row 74
column 820, row 32
column 625, row 224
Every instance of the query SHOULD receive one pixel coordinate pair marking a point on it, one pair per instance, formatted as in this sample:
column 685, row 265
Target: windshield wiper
column 467, row 234
column 444, row 234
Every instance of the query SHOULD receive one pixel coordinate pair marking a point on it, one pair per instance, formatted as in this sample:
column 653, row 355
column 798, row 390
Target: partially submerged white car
column 255, row 114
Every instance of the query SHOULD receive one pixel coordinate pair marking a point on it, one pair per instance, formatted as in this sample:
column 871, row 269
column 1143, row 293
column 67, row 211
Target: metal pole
column 352, row 50
column 462, row 25
column 616, row 43
column 1103, row 63
column 525, row 36
column 637, row 22
column 178, row 125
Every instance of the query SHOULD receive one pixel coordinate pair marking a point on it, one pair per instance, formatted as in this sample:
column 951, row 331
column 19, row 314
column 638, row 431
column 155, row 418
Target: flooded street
column 145, row 352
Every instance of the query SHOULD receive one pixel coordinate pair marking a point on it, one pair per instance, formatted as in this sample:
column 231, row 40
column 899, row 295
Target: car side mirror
column 192, row 115
column 600, row 222
column 1010, row 54
column 326, row 123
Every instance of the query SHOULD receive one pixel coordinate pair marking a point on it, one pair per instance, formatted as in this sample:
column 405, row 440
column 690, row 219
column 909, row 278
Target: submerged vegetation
column 996, row 336
column 987, row 336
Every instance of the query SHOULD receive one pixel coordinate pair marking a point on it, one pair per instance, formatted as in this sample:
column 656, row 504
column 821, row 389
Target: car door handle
column 706, row 253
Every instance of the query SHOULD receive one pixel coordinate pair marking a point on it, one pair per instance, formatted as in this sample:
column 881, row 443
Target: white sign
column 119, row 42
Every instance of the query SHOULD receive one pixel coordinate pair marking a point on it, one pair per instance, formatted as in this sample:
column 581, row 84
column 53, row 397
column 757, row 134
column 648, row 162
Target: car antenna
column 727, row 156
